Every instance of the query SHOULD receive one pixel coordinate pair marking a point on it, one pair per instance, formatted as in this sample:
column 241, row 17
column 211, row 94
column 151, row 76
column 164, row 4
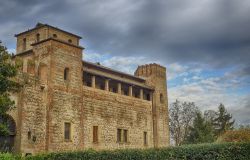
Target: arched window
column 161, row 98
column 37, row 37
column 54, row 36
column 66, row 74
column 70, row 41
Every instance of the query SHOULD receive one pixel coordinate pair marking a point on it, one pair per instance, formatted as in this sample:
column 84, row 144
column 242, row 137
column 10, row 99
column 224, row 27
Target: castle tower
column 53, row 105
column 155, row 76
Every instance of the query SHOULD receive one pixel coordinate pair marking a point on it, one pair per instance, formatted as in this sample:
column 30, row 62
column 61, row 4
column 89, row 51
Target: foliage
column 232, row 151
column 8, row 156
column 181, row 117
column 223, row 121
column 241, row 135
column 201, row 131
column 7, row 72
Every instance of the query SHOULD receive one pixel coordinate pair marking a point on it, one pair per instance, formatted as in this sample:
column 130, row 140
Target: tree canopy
column 8, row 71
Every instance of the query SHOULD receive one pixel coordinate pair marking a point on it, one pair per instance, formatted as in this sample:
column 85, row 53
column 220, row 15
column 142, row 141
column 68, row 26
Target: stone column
column 93, row 81
column 119, row 88
column 141, row 93
column 107, row 84
column 130, row 91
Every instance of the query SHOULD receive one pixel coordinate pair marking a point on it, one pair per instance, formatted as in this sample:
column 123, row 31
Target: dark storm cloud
column 214, row 32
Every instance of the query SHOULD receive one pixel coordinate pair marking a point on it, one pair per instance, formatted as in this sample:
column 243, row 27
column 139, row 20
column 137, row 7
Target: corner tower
column 155, row 76
column 52, row 105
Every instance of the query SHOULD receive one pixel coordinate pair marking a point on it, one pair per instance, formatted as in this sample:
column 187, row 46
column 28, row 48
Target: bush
column 242, row 135
column 226, row 151
column 232, row 151
column 8, row 156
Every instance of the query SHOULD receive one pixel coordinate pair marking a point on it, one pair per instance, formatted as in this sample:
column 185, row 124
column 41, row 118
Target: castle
column 70, row 104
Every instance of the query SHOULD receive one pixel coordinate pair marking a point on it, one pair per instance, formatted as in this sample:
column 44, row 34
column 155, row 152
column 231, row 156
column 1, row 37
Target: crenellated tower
column 155, row 76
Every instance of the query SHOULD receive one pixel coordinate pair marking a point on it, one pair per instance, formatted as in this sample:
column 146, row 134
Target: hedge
column 226, row 151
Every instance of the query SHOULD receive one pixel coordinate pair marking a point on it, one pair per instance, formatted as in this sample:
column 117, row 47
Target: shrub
column 232, row 151
column 8, row 156
column 242, row 135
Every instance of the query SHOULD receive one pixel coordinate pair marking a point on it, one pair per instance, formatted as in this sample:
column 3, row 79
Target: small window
column 70, row 41
column 66, row 74
column 125, row 136
column 148, row 97
column 67, row 130
column 24, row 44
column 95, row 134
column 161, row 98
column 119, row 135
column 145, row 138
column 54, row 36
column 37, row 37
column 29, row 135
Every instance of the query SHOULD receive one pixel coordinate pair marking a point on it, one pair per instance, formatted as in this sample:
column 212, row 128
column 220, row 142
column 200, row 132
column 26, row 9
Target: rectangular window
column 125, row 136
column 24, row 44
column 145, row 138
column 67, row 130
column 119, row 135
column 95, row 134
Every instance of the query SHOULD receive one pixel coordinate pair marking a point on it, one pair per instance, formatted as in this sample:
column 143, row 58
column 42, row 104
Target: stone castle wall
column 110, row 111
column 49, row 101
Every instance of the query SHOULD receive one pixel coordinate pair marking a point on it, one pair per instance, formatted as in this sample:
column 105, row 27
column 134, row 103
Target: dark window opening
column 99, row 82
column 125, row 89
column 54, row 36
column 37, row 37
column 24, row 44
column 66, row 74
column 86, row 79
column 119, row 135
column 95, row 134
column 67, row 130
column 29, row 135
column 70, row 41
column 136, row 92
column 145, row 138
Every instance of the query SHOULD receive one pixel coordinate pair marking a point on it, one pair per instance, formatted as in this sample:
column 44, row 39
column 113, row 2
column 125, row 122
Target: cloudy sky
column 205, row 44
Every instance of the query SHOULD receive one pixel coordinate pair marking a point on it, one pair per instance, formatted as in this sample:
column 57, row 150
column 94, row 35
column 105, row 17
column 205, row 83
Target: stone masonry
column 69, row 104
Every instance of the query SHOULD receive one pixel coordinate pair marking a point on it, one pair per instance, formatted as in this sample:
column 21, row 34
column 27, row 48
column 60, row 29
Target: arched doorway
column 7, row 142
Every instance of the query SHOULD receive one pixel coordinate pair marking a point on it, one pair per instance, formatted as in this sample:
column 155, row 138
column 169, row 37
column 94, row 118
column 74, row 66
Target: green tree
column 201, row 131
column 7, row 85
column 223, row 121
column 181, row 116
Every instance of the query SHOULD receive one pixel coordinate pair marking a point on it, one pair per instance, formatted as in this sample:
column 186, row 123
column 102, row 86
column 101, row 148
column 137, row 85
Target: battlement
column 150, row 69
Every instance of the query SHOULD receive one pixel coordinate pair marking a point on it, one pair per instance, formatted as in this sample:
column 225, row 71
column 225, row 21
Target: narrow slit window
column 24, row 44
column 37, row 37
column 95, row 134
column 67, row 130
column 145, row 138
column 119, row 135
column 66, row 74
column 29, row 135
